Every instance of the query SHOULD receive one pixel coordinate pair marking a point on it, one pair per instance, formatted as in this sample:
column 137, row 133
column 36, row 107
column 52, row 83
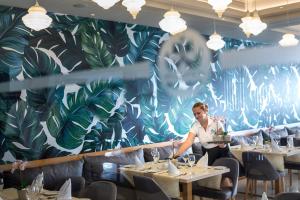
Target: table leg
column 187, row 193
column 277, row 186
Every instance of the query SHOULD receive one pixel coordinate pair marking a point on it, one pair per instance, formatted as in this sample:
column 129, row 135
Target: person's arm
column 185, row 145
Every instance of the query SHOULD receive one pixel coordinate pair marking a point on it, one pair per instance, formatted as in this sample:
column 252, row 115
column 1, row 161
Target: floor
column 257, row 196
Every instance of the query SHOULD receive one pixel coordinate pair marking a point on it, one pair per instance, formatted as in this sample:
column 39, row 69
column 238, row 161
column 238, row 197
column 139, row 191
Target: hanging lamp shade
column 246, row 24
column 219, row 6
column 288, row 40
column 106, row 4
column 172, row 22
column 37, row 19
column 215, row 42
column 134, row 6
column 252, row 24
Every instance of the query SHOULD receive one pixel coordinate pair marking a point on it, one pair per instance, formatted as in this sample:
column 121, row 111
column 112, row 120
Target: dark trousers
column 215, row 153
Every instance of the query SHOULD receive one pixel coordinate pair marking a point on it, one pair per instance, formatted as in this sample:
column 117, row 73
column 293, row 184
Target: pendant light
column 134, row 6
column 37, row 18
column 219, row 6
column 106, row 4
column 172, row 22
column 288, row 39
column 215, row 41
column 252, row 24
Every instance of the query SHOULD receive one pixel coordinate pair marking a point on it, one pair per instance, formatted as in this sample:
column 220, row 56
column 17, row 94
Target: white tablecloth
column 12, row 194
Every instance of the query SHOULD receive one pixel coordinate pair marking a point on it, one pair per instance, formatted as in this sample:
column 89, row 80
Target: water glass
column 185, row 158
column 191, row 160
column 290, row 142
column 255, row 140
column 155, row 155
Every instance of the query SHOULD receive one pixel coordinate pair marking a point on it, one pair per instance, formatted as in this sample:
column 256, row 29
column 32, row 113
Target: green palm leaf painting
column 37, row 64
column 24, row 135
column 12, row 40
column 115, row 37
column 96, row 51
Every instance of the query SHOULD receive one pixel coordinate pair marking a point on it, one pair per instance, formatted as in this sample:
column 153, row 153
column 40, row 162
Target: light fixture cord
column 287, row 12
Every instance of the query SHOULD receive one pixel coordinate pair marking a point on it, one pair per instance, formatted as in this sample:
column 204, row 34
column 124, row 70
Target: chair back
column 100, row 190
column 148, row 189
column 288, row 196
column 233, row 174
column 258, row 167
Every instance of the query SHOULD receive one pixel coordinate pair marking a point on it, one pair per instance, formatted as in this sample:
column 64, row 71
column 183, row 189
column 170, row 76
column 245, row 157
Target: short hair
column 203, row 106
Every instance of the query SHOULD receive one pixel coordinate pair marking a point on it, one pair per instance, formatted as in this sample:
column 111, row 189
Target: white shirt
column 206, row 136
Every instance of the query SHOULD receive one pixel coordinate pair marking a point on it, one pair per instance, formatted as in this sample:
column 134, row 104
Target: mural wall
column 104, row 114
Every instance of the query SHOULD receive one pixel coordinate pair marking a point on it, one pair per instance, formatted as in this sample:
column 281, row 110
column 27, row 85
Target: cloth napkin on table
column 275, row 146
column 264, row 196
column 172, row 169
column 203, row 161
column 260, row 141
column 138, row 163
column 244, row 143
column 38, row 183
column 65, row 192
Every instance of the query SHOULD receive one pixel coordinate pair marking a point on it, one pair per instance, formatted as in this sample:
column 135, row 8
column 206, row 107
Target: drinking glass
column 290, row 142
column 191, row 160
column 155, row 155
column 185, row 158
column 255, row 140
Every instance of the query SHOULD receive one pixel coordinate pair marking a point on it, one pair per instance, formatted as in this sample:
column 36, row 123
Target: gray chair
column 147, row 189
column 259, row 168
column 225, row 192
column 288, row 196
column 100, row 190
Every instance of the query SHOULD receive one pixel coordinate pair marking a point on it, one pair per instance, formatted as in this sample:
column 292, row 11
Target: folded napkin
column 244, row 143
column 260, row 141
column 37, row 184
column 65, row 191
column 172, row 169
column 203, row 161
column 138, row 163
column 40, row 180
column 264, row 196
column 275, row 146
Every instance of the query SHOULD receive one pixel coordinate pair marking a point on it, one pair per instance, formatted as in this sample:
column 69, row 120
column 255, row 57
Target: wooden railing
column 57, row 160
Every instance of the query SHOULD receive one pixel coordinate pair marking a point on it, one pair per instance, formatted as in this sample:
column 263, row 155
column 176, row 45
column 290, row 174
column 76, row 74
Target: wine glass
column 255, row 140
column 191, row 160
column 155, row 155
column 185, row 158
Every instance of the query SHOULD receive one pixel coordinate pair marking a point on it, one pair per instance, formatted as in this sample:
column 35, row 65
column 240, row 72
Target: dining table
column 276, row 157
column 13, row 194
column 187, row 175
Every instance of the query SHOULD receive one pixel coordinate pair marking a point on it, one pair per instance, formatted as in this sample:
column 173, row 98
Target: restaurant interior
column 98, row 99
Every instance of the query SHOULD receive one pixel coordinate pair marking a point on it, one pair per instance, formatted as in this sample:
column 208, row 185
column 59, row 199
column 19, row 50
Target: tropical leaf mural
column 24, row 135
column 13, row 40
column 112, row 113
column 96, row 51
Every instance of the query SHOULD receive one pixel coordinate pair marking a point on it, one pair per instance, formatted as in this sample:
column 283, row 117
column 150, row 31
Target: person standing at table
column 205, row 127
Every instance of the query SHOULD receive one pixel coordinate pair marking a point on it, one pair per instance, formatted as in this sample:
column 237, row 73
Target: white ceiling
column 198, row 14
